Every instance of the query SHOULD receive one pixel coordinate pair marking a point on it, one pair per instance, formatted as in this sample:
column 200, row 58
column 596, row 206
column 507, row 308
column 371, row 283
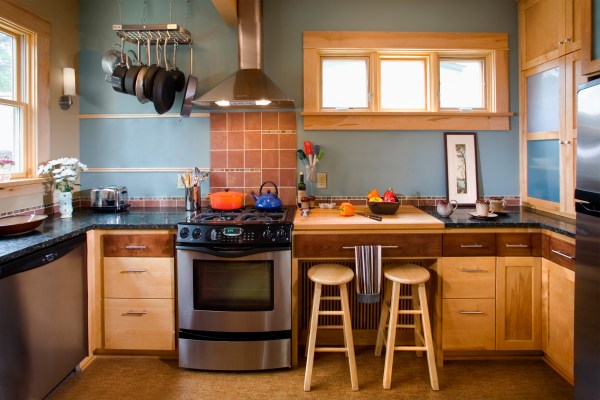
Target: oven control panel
column 247, row 234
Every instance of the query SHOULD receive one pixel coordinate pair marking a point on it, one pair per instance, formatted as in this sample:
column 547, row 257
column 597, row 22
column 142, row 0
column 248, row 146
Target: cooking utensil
column 117, row 79
column 190, row 89
column 371, row 216
column 267, row 201
column 139, row 82
column 111, row 58
column 321, row 153
column 151, row 74
column 178, row 76
column 132, row 73
column 163, row 90
column 226, row 200
column 302, row 156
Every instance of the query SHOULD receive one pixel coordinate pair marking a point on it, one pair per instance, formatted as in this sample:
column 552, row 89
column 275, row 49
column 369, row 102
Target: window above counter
column 406, row 80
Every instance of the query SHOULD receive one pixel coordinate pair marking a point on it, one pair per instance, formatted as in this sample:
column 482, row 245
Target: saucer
column 490, row 215
column 503, row 212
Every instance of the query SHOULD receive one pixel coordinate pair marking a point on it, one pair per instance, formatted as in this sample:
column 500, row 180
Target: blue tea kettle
column 267, row 201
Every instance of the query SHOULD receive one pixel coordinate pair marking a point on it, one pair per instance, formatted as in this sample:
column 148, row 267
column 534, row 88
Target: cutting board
column 407, row 217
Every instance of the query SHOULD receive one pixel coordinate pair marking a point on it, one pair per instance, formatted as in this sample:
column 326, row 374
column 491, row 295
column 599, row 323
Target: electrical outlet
column 180, row 178
column 321, row 180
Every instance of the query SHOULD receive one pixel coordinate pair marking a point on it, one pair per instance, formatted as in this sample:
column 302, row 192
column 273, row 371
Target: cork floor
column 115, row 378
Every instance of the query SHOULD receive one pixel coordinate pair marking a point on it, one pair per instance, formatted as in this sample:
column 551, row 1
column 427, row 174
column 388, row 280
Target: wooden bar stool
column 338, row 275
column 415, row 276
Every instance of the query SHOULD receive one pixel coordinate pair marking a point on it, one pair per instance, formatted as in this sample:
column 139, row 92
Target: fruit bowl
column 383, row 207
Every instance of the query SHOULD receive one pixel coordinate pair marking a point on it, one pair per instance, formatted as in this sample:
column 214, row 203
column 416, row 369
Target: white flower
column 64, row 171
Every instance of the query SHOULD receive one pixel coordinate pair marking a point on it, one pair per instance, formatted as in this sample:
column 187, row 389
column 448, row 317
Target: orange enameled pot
column 226, row 200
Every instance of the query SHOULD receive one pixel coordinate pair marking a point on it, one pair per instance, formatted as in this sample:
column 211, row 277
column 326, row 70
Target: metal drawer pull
column 563, row 255
column 133, row 271
column 471, row 246
column 471, row 312
column 135, row 247
column 523, row 246
column 135, row 313
column 383, row 247
column 472, row 270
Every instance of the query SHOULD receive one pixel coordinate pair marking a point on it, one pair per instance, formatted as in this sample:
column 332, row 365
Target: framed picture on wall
column 461, row 166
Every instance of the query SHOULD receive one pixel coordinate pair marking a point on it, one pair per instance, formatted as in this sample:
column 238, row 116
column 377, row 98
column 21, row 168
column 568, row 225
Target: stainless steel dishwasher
column 43, row 319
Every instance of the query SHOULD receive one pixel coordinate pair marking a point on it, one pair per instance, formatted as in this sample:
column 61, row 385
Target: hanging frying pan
column 132, row 73
column 117, row 79
column 163, row 88
column 177, row 75
column 150, row 75
column 139, row 82
column 190, row 88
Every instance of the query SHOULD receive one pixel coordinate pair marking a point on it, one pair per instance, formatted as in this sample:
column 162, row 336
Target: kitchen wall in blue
column 356, row 161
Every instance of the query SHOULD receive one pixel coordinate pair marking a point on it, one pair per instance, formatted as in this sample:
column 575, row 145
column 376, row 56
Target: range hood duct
column 249, row 87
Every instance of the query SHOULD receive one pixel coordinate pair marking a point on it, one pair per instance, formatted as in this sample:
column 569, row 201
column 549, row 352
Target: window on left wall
column 24, row 76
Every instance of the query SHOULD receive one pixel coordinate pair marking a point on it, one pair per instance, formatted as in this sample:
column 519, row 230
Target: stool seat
column 330, row 274
column 334, row 275
column 407, row 274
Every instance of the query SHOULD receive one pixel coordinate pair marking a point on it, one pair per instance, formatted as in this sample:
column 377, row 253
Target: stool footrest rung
column 330, row 349
column 330, row 327
column 410, row 348
column 331, row 298
column 410, row 312
column 331, row 313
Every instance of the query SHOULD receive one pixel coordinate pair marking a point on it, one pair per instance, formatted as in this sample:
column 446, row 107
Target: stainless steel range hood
column 249, row 87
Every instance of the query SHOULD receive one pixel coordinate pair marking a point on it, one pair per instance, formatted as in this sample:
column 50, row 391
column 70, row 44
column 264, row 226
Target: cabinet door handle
column 564, row 141
column 135, row 247
column 471, row 312
column 133, row 271
column 522, row 246
column 472, row 270
column 135, row 313
column 560, row 253
column 471, row 246
column 568, row 40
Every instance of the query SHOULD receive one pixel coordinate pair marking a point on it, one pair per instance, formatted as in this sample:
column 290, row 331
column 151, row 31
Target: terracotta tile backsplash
column 247, row 149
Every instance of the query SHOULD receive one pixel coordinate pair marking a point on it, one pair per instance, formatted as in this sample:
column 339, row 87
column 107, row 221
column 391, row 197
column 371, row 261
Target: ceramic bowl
column 383, row 207
column 326, row 205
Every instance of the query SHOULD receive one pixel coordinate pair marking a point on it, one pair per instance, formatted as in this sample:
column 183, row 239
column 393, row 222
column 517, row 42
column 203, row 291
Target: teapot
column 267, row 201
column 446, row 208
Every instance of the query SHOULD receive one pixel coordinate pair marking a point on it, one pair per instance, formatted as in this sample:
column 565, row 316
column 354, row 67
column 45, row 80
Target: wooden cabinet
column 138, row 292
column 558, row 310
column 548, row 29
column 549, row 134
column 518, row 303
column 590, row 37
column 468, row 303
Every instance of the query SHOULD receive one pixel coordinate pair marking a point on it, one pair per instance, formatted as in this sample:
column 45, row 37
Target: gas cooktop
column 247, row 226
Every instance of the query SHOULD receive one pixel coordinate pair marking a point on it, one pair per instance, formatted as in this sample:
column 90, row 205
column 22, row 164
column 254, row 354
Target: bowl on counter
column 20, row 224
column 383, row 207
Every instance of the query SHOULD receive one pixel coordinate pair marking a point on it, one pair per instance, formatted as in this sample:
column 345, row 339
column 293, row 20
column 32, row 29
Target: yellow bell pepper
column 373, row 193
column 346, row 209
column 376, row 199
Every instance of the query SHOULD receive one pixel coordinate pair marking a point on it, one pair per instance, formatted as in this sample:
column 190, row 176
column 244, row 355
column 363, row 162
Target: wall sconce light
column 66, row 100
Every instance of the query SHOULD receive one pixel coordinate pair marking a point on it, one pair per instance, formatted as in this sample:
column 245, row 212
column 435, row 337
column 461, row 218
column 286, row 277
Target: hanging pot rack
column 135, row 33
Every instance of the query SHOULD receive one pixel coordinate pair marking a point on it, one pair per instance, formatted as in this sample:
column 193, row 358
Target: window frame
column 492, row 46
column 34, row 50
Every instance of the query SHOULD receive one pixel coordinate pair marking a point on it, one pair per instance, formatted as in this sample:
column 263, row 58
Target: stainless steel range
column 234, row 289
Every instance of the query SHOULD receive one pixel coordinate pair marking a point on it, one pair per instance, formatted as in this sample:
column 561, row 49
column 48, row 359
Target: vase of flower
column 6, row 165
column 66, row 204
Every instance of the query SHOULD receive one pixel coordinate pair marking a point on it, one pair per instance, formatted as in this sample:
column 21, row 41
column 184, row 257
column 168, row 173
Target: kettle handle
column 455, row 204
column 274, row 185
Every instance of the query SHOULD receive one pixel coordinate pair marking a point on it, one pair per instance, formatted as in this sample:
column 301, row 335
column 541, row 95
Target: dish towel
column 367, row 269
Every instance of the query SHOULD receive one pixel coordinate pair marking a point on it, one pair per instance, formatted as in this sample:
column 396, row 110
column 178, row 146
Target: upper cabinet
column 590, row 44
column 548, row 29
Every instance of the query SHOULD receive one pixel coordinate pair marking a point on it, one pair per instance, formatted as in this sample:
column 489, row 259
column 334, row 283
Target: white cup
column 498, row 203
column 483, row 208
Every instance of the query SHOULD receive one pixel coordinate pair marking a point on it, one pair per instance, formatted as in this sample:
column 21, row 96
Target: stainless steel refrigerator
column 587, row 265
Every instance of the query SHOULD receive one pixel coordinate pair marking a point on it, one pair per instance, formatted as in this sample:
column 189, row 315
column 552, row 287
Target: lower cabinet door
column 468, row 324
column 139, row 324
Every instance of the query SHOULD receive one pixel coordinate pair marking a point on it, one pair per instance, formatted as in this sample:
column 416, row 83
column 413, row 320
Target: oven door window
column 233, row 285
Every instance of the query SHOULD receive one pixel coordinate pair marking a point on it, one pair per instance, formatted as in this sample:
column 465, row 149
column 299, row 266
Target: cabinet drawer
column 469, row 244
column 139, row 245
column 469, row 277
column 468, row 324
column 518, row 244
column 143, row 277
column 408, row 245
column 560, row 252
column 139, row 324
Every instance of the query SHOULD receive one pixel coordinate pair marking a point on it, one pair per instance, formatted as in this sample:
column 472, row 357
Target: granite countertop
column 55, row 229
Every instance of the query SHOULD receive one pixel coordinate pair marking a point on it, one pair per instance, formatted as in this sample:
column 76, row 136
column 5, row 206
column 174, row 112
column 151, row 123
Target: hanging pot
column 132, row 73
column 177, row 75
column 226, row 200
column 150, row 75
column 139, row 82
column 163, row 90
column 117, row 78
column 190, row 89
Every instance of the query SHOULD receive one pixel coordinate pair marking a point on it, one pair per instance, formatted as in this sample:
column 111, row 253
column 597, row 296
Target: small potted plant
column 6, row 165
column 64, row 172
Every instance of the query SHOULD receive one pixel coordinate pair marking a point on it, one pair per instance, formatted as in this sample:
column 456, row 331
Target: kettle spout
column 254, row 195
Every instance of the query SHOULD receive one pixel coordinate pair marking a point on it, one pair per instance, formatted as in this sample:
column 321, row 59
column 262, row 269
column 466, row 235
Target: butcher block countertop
column 407, row 217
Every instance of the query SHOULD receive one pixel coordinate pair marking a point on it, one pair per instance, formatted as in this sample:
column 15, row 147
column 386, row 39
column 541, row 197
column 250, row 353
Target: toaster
column 109, row 198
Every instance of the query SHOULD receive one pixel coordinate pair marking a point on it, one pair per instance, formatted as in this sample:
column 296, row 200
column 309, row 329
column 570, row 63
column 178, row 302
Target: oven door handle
column 229, row 252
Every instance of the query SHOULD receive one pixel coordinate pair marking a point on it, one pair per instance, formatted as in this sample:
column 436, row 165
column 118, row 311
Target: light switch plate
column 321, row 180
column 179, row 181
